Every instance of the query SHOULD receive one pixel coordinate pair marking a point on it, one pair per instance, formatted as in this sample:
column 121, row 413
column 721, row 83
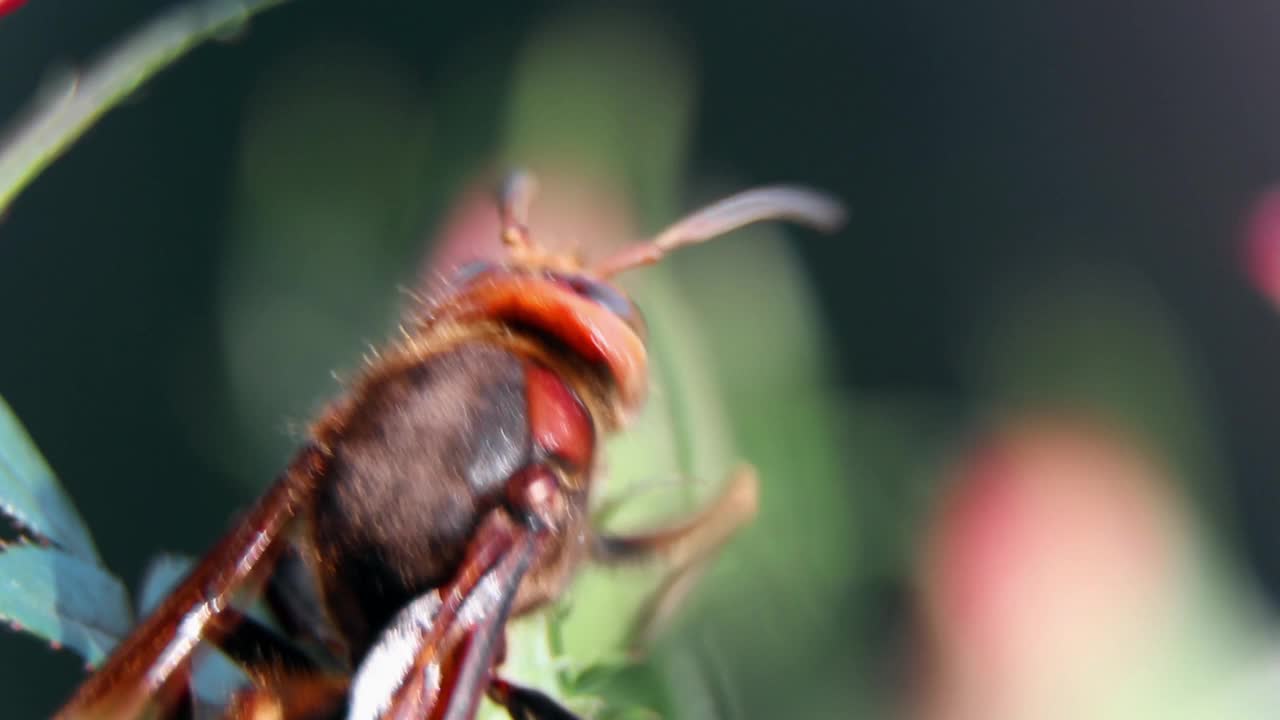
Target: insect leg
column 481, row 649
column 514, row 198
column 404, row 674
column 258, row 648
column 524, row 703
column 481, row 653
column 292, row 595
column 452, row 636
column 291, row 697
column 688, row 547
column 146, row 672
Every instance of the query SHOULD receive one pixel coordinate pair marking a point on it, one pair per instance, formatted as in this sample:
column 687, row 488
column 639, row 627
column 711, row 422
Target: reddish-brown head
column 560, row 297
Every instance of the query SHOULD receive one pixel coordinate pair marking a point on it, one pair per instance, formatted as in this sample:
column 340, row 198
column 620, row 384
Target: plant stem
column 63, row 112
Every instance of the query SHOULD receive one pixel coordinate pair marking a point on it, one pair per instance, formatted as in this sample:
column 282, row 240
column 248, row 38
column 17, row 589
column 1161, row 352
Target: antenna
column 514, row 198
column 781, row 202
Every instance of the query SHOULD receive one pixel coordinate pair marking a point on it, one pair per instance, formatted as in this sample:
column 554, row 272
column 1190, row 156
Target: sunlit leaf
column 627, row 689
column 63, row 599
column 31, row 494
column 769, row 599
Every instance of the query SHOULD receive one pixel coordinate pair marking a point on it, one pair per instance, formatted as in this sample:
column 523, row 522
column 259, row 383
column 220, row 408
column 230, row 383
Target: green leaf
column 63, row 599
column 622, row 688
column 31, row 494
column 607, row 94
column 767, row 601
column 61, row 114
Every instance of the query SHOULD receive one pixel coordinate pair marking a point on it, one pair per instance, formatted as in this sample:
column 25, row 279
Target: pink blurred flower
column 1049, row 569
column 1262, row 244
column 8, row 6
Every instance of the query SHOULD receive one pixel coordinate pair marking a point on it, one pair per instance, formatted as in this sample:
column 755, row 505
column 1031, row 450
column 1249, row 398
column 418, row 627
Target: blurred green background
column 1047, row 204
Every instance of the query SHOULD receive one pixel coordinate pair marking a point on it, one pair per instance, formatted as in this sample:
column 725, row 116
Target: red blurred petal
column 469, row 232
column 1262, row 244
column 8, row 6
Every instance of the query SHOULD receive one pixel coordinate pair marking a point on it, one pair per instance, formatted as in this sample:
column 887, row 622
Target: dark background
column 981, row 146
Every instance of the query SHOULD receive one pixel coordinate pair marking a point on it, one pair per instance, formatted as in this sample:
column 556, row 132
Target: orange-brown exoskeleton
column 444, row 493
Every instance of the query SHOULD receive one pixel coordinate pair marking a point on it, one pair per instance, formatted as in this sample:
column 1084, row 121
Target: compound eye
column 611, row 299
column 601, row 294
column 467, row 272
